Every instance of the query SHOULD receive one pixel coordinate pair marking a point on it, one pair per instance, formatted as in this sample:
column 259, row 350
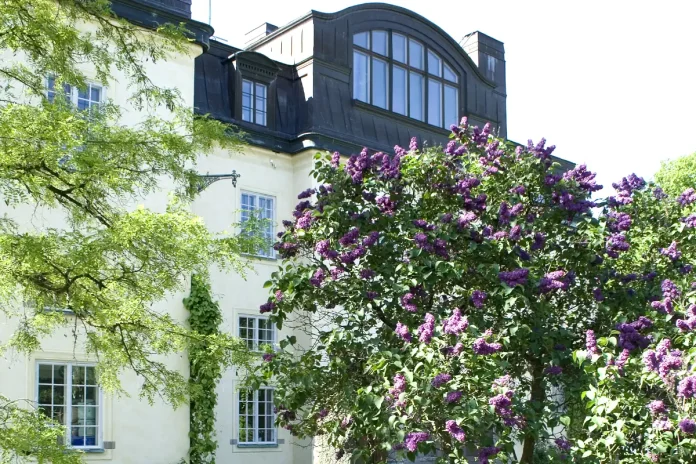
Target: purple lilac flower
column 421, row 241
column 398, row 388
column 556, row 280
column 503, row 381
column 367, row 274
column 516, row 210
column 454, row 430
column 597, row 293
column 686, row 269
column 687, row 426
column 456, row 350
column 482, row 347
column 350, row 237
column 524, row 256
column 305, row 194
column 335, row 159
column 513, row 278
column 413, row 144
column 478, row 297
column 408, row 304
column 304, row 222
column 370, row 295
column 671, row 252
column 317, row 278
column 346, row 422
column 386, row 205
column 402, row 332
column 465, row 219
column 551, row 179
column 618, row 222
column 591, row 342
column 629, row 336
column 267, row 307
column 539, row 241
column 504, row 213
column 665, row 306
column 687, row 197
column 446, row 218
column 520, row 190
column 502, row 404
column 455, row 324
column 687, row 387
column 571, row 203
column 413, row 438
column 425, row 330
column 453, row 396
column 562, row 444
column 629, row 184
column 690, row 221
column 440, row 380
column 670, row 290
column 623, row 358
column 485, row 453
column 671, row 362
column 423, row 224
column 337, row 272
column 440, row 248
column 499, row 235
column 584, row 178
column 662, row 425
column 268, row 357
column 615, row 244
column 657, row 407
column 323, row 249
column 516, row 233
column 553, row 370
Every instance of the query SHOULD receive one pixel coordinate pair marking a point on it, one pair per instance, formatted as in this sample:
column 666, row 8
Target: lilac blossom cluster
column 671, row 252
column 539, row 241
column 657, row 408
column 690, row 221
column 466, row 219
column 482, row 347
column 625, row 188
column 386, row 205
column 323, row 249
column 407, row 301
column 398, row 388
column 485, row 453
column 562, row 444
column 572, row 203
column 618, row 222
column 630, row 337
column 440, row 380
column 689, row 323
column 318, row 277
column 553, row 370
column 502, row 405
column 616, row 243
column 267, row 307
column 403, row 332
column 662, row 360
column 439, row 246
column 425, row 330
column 455, row 431
column 687, row 426
column 541, row 151
column 687, row 387
column 413, row 438
column 513, row 278
column 453, row 397
column 591, row 342
column 584, row 178
column 478, row 298
column 687, row 197
column 455, row 324
column 556, row 280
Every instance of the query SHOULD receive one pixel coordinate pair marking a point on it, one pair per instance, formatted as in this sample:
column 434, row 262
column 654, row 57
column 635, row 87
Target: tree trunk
column 537, row 396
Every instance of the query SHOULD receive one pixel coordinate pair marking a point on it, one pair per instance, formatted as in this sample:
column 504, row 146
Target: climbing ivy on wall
column 206, row 367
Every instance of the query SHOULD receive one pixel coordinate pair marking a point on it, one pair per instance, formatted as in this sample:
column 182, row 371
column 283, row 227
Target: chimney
column 488, row 54
column 259, row 32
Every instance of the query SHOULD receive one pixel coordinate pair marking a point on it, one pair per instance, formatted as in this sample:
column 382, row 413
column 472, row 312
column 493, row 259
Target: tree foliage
column 677, row 175
column 88, row 247
column 444, row 292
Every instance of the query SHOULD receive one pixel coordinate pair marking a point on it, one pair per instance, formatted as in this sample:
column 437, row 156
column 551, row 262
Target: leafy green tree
column 677, row 175
column 93, row 252
column 444, row 291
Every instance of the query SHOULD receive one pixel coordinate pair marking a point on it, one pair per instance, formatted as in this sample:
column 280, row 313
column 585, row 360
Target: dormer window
column 407, row 78
column 254, row 98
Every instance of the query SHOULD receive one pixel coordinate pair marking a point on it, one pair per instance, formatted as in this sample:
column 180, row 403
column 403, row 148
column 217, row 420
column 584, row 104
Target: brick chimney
column 489, row 55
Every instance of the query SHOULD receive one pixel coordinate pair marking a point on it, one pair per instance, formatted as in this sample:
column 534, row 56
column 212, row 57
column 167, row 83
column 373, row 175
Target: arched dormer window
column 398, row 73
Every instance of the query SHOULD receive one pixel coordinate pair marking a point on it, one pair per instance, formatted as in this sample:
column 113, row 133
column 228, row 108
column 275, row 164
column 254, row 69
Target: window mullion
column 256, row 416
column 68, row 403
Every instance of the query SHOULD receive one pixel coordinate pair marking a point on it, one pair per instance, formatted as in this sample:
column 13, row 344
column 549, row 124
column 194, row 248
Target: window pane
column 261, row 118
column 360, row 77
column 416, row 96
column 434, row 64
column 415, row 54
column 380, row 85
column 379, row 42
column 45, row 373
column 449, row 74
column 451, row 106
column 246, row 114
column 246, row 86
column 59, row 374
column 83, row 93
column 260, row 91
column 95, row 95
column 362, row 39
column 45, row 394
column 399, row 47
column 434, row 102
column 399, row 93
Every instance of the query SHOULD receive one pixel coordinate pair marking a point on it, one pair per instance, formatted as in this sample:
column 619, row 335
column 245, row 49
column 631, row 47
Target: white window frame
column 255, row 429
column 256, row 346
column 75, row 92
column 269, row 253
column 443, row 74
column 67, row 394
column 254, row 100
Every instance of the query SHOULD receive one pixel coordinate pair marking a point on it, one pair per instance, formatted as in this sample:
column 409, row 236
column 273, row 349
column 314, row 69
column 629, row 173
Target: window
column 88, row 99
column 68, row 393
column 254, row 99
column 256, row 331
column 256, row 417
column 408, row 78
column 255, row 206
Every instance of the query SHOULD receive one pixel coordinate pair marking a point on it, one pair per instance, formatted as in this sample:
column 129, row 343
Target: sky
column 611, row 83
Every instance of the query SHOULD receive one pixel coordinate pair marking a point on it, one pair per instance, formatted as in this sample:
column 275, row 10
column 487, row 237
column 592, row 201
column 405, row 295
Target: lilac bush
column 448, row 295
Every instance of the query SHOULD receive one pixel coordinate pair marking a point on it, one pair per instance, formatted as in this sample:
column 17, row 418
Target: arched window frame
column 374, row 50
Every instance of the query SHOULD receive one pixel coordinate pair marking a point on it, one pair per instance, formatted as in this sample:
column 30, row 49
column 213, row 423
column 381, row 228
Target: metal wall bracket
column 208, row 179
